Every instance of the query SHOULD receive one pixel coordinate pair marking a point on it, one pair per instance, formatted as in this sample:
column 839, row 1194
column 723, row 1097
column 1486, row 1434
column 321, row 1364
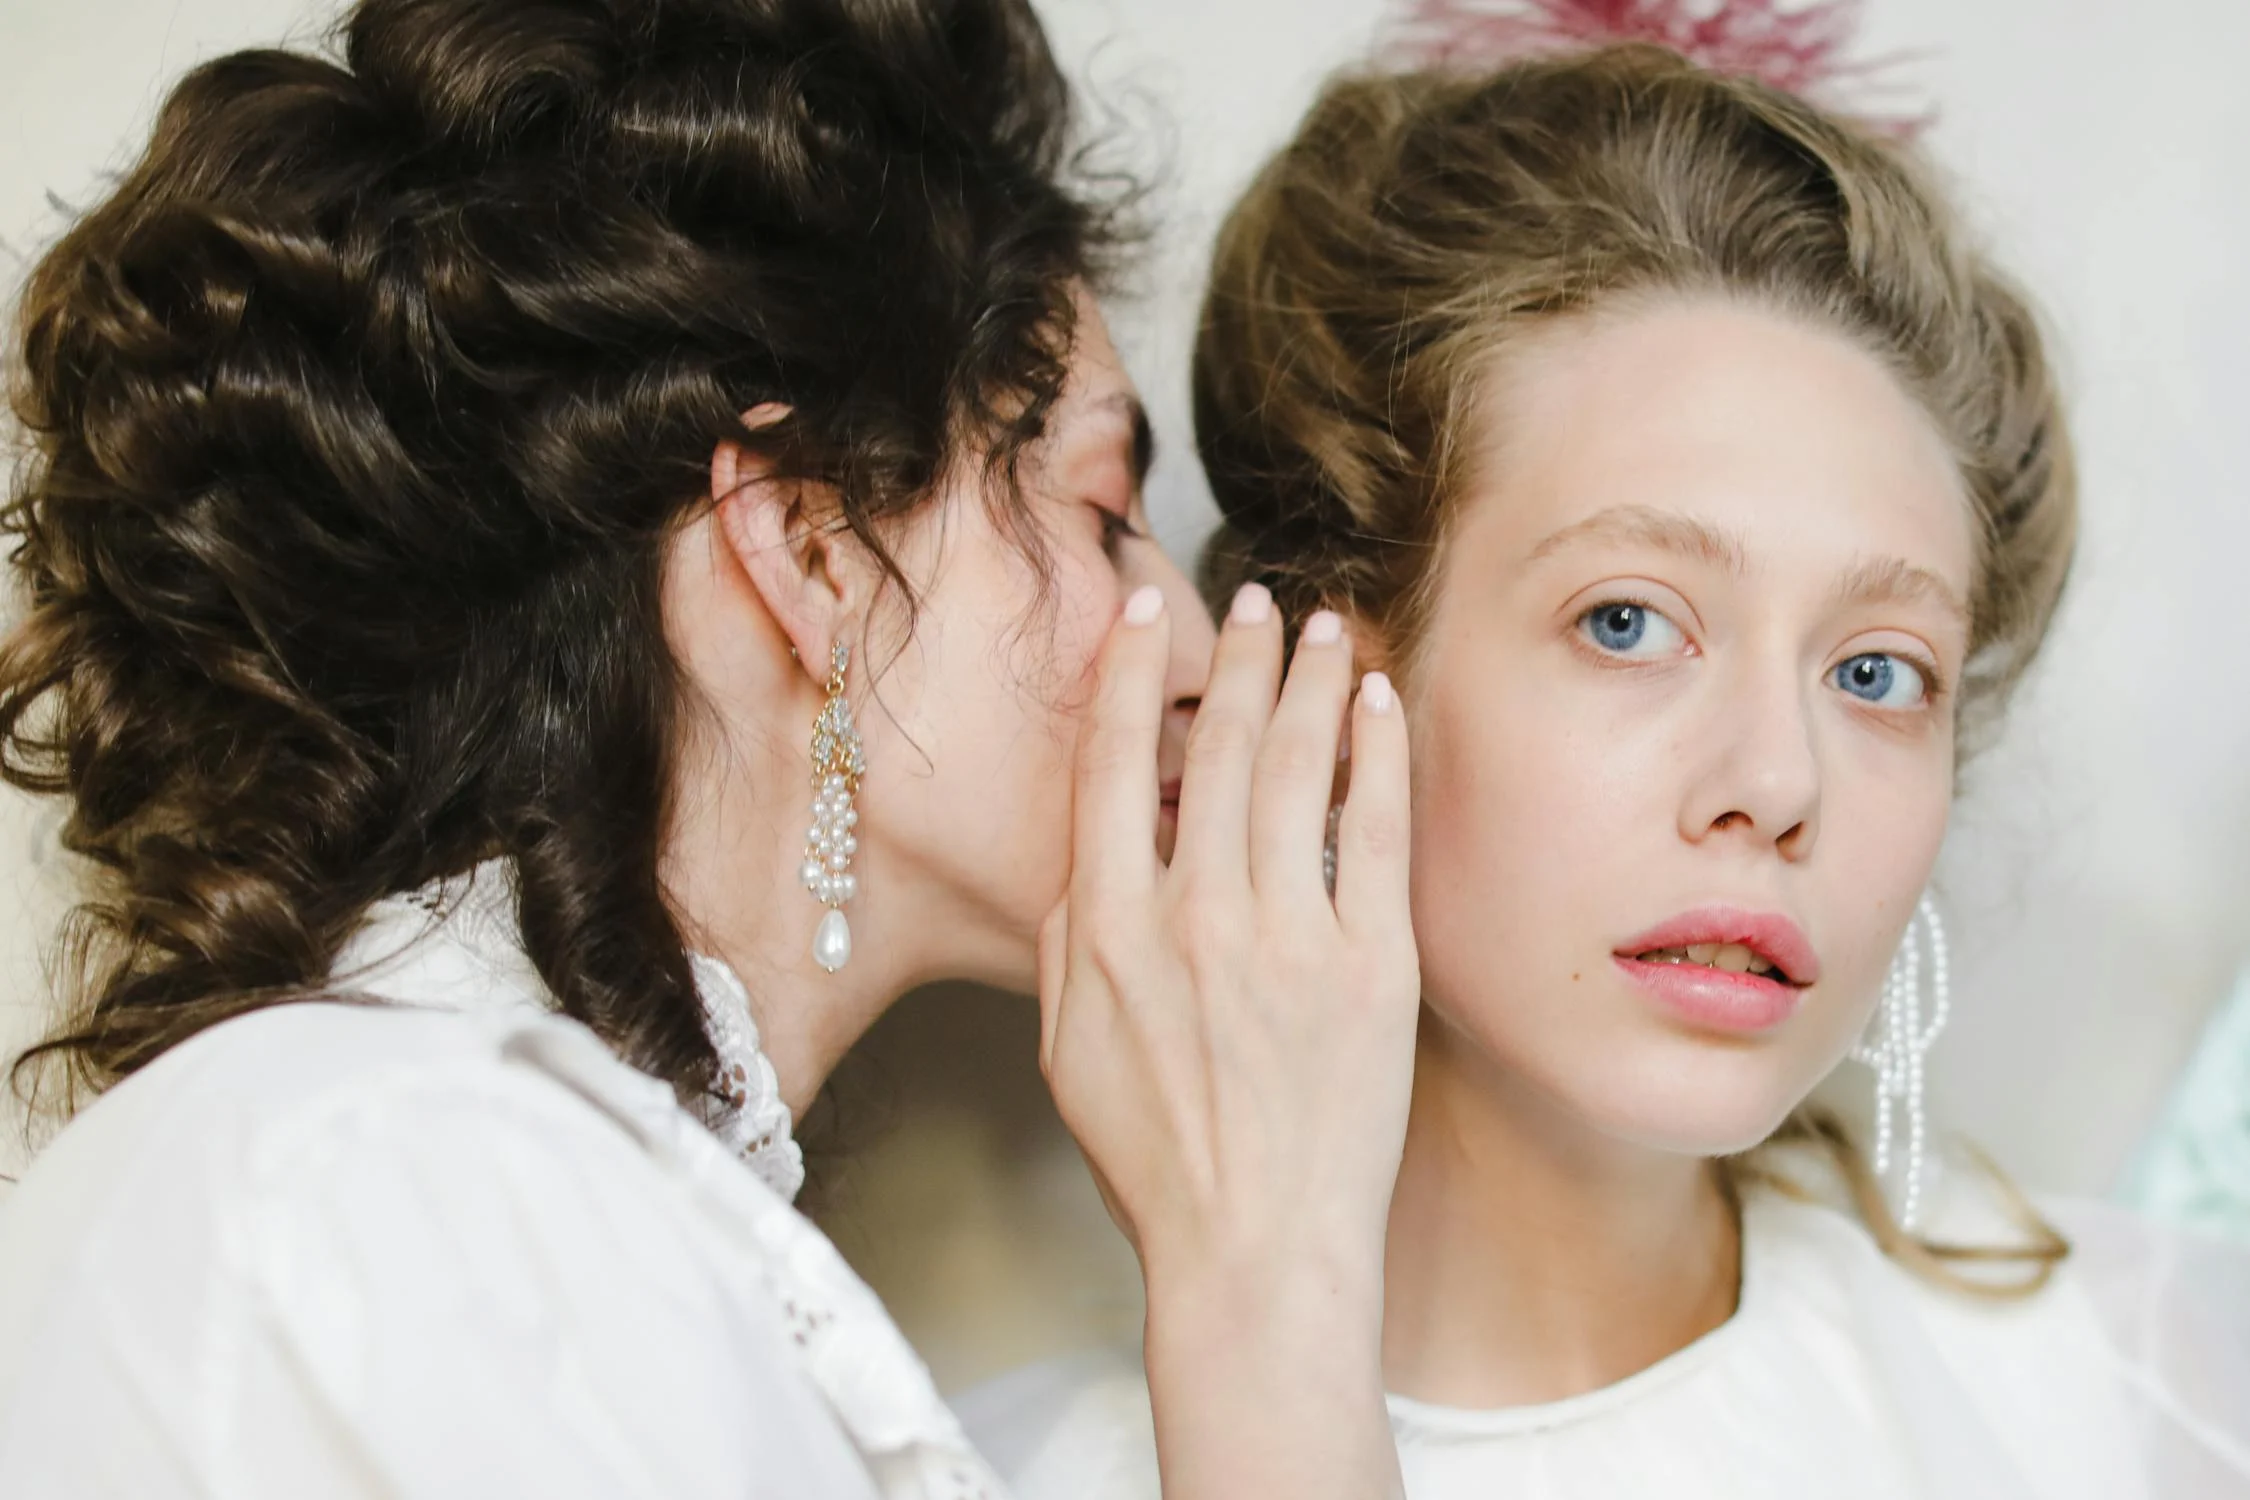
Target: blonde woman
column 1704, row 490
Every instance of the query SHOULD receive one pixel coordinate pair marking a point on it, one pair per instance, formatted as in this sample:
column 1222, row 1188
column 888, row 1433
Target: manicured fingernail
column 1376, row 692
column 1252, row 605
column 1145, row 605
column 1325, row 628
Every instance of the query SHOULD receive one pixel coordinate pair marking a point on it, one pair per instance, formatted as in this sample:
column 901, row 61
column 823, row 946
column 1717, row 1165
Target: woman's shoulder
column 464, row 1239
column 1989, row 1265
column 472, row 1243
column 207, row 1175
column 434, row 1031
column 249, row 1098
column 2123, row 1370
column 1992, row 1246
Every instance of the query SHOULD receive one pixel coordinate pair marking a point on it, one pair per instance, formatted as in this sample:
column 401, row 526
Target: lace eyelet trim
column 745, row 1110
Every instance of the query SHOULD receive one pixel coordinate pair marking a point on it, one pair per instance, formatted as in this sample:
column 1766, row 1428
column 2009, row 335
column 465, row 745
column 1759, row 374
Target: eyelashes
column 1117, row 530
column 1628, row 630
column 1877, row 677
column 1631, row 629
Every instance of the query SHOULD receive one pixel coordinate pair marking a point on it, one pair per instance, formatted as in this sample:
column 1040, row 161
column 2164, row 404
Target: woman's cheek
column 1058, row 638
column 1582, row 744
column 1885, row 802
column 1499, row 778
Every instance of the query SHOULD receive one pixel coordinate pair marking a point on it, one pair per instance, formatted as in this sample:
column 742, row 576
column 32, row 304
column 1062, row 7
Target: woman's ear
column 789, row 538
column 1371, row 651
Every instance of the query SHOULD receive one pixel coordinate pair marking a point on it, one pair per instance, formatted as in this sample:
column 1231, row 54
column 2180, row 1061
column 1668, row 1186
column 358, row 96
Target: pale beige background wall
column 2098, row 875
column 31, row 899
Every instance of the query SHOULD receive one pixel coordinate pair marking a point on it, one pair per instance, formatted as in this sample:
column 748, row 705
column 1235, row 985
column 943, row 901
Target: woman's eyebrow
column 1666, row 531
column 1894, row 580
column 1874, row 580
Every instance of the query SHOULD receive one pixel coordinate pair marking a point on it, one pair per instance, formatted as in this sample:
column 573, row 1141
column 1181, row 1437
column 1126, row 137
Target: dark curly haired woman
column 571, row 552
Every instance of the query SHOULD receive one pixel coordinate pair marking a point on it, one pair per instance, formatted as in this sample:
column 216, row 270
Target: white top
column 1840, row 1376
column 448, row 1245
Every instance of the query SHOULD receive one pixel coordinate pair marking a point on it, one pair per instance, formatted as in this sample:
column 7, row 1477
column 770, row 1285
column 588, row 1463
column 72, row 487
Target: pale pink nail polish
column 1253, row 605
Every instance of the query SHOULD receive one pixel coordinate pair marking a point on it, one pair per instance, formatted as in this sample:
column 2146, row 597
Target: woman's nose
column 1757, row 769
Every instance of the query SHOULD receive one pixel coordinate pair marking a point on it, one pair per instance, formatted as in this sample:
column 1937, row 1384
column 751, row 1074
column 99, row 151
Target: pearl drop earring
column 1897, row 1047
column 838, row 762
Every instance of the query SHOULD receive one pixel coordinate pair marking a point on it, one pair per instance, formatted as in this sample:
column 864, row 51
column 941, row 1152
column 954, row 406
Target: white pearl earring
column 838, row 762
column 1897, row 1046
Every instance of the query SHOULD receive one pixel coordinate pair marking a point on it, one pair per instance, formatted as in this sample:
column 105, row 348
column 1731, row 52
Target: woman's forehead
column 1719, row 428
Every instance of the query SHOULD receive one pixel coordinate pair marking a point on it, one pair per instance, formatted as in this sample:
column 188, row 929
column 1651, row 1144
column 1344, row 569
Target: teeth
column 1730, row 958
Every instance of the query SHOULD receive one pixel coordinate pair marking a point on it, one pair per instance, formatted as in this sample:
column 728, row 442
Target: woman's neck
column 1531, row 1259
column 730, row 872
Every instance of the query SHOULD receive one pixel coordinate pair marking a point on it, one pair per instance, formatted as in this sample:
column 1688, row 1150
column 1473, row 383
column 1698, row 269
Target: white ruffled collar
column 455, row 942
column 749, row 1115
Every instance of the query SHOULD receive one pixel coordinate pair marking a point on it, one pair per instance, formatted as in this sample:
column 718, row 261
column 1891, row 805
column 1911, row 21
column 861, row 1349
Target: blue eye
column 1625, row 629
column 1883, row 680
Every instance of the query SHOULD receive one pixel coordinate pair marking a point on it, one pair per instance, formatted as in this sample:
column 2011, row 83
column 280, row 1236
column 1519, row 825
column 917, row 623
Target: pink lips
column 1714, row 997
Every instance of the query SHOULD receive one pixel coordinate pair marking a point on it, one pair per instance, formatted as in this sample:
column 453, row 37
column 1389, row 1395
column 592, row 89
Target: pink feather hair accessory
column 1801, row 49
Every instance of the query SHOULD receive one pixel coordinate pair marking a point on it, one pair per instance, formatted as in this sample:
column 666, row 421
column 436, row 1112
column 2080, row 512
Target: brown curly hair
column 359, row 413
column 1421, row 222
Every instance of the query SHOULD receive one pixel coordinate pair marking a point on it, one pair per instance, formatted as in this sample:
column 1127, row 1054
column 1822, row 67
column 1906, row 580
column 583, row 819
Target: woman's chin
column 1700, row 1117
column 1675, row 1095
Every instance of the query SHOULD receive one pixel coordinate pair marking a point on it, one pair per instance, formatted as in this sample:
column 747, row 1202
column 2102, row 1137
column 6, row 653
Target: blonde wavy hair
column 1420, row 224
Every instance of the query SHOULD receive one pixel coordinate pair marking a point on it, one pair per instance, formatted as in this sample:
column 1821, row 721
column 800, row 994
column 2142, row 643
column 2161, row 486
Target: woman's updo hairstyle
column 359, row 412
column 1419, row 223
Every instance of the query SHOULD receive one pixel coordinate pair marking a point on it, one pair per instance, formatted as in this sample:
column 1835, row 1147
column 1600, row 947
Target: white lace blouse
column 446, row 1245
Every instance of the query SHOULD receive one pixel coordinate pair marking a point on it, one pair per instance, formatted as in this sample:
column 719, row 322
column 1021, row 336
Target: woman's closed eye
column 1632, row 631
column 1117, row 530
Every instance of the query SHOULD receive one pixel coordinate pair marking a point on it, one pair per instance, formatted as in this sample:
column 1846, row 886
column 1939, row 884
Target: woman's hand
column 1234, row 1050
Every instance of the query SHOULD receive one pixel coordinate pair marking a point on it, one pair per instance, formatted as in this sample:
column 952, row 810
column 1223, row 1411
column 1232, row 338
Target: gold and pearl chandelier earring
column 837, row 765
column 1897, row 1047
